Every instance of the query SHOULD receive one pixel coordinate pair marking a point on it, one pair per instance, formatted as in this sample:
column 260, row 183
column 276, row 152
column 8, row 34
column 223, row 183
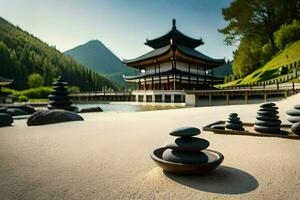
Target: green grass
column 229, row 84
column 271, row 70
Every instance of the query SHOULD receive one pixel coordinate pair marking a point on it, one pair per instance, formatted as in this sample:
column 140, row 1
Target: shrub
column 36, row 93
column 23, row 98
column 35, row 80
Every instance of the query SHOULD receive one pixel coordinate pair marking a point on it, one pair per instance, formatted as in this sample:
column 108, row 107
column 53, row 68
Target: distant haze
column 121, row 25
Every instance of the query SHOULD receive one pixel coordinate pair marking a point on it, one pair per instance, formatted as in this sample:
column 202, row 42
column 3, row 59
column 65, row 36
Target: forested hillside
column 22, row 54
column 261, row 29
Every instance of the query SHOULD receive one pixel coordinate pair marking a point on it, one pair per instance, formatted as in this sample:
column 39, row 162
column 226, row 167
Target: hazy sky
column 122, row 25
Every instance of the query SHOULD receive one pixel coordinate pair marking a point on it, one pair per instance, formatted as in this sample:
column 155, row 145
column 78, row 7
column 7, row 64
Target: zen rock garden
column 234, row 122
column 267, row 119
column 294, row 118
column 60, row 108
column 187, row 154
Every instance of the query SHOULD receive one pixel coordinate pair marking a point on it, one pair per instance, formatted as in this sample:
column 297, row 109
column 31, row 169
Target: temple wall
column 163, row 67
column 179, row 65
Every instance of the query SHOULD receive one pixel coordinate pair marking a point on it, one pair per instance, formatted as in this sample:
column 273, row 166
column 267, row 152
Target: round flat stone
column 269, row 113
column 267, row 117
column 234, row 118
column 297, row 106
column 233, row 115
column 269, row 109
column 60, row 103
column 184, row 157
column 234, row 126
column 293, row 119
column 267, row 123
column 188, row 144
column 234, row 121
column 267, row 129
column 293, row 112
column 267, row 105
column 5, row 119
column 296, row 128
column 185, row 132
column 218, row 126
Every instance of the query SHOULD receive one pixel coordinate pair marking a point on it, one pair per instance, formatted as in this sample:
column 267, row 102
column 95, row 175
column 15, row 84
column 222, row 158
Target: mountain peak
column 94, row 42
column 95, row 55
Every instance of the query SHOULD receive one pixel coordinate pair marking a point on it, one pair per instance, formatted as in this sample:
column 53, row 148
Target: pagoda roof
column 5, row 81
column 176, row 37
column 170, row 49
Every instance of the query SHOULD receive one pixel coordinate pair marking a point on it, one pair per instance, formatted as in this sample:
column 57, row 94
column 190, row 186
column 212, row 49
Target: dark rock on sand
column 185, row 132
column 16, row 112
column 188, row 144
column 5, row 119
column 296, row 128
column 184, row 157
column 44, row 117
column 92, row 109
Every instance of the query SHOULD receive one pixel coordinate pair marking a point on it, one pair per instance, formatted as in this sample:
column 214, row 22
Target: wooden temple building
column 173, row 65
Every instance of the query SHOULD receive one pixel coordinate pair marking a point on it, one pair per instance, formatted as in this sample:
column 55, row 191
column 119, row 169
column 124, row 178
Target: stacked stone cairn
column 60, row 99
column 294, row 118
column 234, row 122
column 186, row 148
column 267, row 119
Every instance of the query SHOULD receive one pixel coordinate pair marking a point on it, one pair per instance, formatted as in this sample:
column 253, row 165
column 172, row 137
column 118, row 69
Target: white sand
column 107, row 157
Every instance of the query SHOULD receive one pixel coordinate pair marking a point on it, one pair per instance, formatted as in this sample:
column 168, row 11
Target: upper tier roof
column 169, row 49
column 176, row 37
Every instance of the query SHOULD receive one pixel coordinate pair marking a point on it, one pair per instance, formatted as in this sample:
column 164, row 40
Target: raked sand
column 107, row 157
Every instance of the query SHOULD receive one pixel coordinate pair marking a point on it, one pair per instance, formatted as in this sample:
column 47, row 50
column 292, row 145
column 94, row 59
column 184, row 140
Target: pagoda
column 174, row 65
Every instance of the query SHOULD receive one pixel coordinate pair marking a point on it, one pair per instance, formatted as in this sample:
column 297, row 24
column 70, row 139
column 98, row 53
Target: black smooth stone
column 296, row 128
column 234, row 115
column 269, row 113
column 267, row 129
column 269, row 109
column 28, row 109
column 16, row 112
column 59, row 98
column 297, row 106
column 267, row 123
column 188, row 144
column 234, row 121
column 218, row 126
column 5, row 119
column 68, row 108
column 44, row 117
column 234, row 118
column 234, row 126
column 267, row 117
column 60, row 103
column 293, row 112
column 267, row 105
column 91, row 109
column 184, row 157
column 185, row 132
column 293, row 119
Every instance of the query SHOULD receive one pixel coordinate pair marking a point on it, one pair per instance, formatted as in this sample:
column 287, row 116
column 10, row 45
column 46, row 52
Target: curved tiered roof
column 176, row 37
column 174, row 43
